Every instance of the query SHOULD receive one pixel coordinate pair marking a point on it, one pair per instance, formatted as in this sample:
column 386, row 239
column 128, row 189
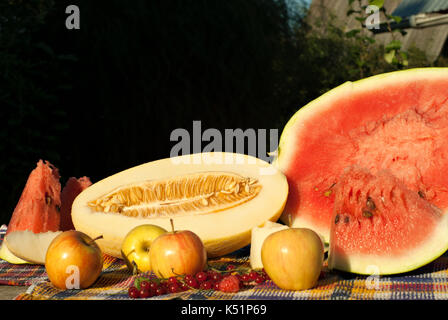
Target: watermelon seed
column 421, row 194
column 47, row 199
column 366, row 213
column 346, row 219
column 370, row 204
column 336, row 220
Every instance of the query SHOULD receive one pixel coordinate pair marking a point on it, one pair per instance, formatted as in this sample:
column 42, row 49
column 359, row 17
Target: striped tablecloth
column 427, row 283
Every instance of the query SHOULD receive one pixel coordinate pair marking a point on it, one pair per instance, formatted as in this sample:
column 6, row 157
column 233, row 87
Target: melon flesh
column 396, row 121
column 222, row 229
column 71, row 190
column 30, row 246
column 379, row 225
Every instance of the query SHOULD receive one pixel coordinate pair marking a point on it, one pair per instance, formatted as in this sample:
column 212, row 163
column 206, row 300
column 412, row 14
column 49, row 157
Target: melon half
column 218, row 196
column 393, row 128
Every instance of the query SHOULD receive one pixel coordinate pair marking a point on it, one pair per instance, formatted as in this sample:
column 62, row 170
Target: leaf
column 389, row 56
column 397, row 19
column 351, row 11
column 378, row 3
column 393, row 45
column 352, row 33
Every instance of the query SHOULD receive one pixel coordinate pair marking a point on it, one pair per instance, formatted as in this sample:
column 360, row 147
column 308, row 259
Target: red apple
column 73, row 260
column 177, row 252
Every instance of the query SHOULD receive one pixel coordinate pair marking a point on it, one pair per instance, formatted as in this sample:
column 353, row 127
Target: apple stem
column 172, row 225
column 290, row 220
column 97, row 238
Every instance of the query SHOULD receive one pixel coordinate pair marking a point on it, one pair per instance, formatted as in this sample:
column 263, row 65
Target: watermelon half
column 396, row 121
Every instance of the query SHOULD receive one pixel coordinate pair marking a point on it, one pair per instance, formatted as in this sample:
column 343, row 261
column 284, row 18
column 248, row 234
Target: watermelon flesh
column 38, row 209
column 396, row 121
column 72, row 188
column 380, row 225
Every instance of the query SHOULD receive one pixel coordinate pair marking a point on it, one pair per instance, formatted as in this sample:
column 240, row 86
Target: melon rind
column 293, row 132
column 222, row 232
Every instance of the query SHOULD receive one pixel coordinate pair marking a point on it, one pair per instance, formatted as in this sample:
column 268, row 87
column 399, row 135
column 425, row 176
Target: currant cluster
column 232, row 279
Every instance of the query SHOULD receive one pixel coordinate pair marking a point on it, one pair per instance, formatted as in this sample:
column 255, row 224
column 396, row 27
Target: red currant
column 253, row 275
column 174, row 287
column 153, row 285
column 201, row 276
column 173, row 280
column 260, row 279
column 145, row 293
column 192, row 283
column 206, row 285
column 188, row 277
column 216, row 276
column 160, row 291
column 230, row 267
column 245, row 278
column 144, row 285
column 133, row 292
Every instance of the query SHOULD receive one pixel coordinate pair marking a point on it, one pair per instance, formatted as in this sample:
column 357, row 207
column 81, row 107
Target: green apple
column 136, row 245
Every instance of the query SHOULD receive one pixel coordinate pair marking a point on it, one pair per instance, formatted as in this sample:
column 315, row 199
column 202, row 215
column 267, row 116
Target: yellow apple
column 136, row 244
column 73, row 260
column 293, row 258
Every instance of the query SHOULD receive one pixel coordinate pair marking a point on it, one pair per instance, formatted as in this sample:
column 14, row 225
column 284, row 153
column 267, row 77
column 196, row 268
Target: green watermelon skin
column 379, row 225
column 72, row 188
column 38, row 209
column 396, row 121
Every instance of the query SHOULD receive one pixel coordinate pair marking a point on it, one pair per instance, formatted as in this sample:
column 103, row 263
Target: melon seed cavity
column 197, row 193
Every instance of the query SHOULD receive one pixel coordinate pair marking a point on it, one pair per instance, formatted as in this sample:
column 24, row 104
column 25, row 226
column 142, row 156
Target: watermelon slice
column 396, row 121
column 381, row 226
column 39, row 205
column 72, row 188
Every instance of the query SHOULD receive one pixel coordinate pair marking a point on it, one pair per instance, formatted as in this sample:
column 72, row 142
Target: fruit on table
column 29, row 246
column 38, row 207
column 40, row 202
column 396, row 121
column 73, row 187
column 259, row 234
column 293, row 258
column 73, row 260
column 381, row 226
column 177, row 252
column 136, row 245
column 218, row 196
